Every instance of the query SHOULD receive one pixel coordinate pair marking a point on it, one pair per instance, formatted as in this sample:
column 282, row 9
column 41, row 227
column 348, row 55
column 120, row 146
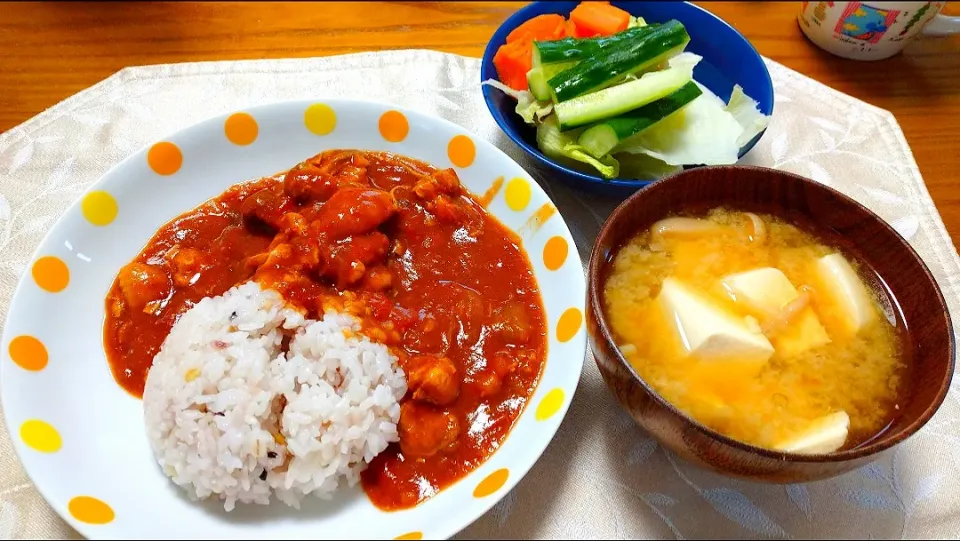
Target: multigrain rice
column 230, row 414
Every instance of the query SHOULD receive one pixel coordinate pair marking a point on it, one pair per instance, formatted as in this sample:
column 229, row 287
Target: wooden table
column 49, row 51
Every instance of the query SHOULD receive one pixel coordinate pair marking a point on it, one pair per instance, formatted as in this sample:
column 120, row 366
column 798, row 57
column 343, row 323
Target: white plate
column 81, row 437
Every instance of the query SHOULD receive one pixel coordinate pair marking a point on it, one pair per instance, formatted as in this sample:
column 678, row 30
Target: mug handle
column 942, row 25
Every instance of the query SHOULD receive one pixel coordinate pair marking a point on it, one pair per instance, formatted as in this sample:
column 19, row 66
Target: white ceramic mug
column 872, row 30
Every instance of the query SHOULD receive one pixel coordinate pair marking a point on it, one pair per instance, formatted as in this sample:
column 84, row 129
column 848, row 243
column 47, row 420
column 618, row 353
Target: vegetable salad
column 610, row 94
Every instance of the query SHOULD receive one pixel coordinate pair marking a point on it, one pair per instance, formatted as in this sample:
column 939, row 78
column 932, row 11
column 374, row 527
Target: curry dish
column 393, row 241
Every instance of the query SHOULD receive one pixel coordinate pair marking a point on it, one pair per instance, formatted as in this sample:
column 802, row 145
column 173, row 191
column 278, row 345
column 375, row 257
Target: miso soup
column 759, row 330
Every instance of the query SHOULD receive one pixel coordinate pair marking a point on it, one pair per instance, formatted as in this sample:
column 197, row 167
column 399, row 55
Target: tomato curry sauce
column 397, row 243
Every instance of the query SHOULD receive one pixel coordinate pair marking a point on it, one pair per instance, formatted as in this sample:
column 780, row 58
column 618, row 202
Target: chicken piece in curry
column 397, row 243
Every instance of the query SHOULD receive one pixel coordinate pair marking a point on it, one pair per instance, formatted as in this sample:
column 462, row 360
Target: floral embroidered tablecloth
column 602, row 476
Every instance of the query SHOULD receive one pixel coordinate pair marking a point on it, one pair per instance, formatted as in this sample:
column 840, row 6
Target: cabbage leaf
column 643, row 167
column 563, row 147
column 529, row 109
column 702, row 133
column 747, row 112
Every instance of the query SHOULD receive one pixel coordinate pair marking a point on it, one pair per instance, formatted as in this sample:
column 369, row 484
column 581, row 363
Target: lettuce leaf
column 747, row 112
column 530, row 110
column 563, row 148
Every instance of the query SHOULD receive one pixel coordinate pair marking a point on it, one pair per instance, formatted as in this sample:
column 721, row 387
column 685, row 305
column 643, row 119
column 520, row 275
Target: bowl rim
column 873, row 447
column 523, row 14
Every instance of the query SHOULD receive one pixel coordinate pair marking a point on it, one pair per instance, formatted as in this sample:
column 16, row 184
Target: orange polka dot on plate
column 40, row 436
column 241, row 129
column 517, row 194
column 320, row 118
column 555, row 252
column 491, row 483
column 461, row 151
column 491, row 192
column 99, row 207
column 569, row 324
column 394, row 126
column 51, row 274
column 90, row 510
column 550, row 404
column 410, row 535
column 28, row 352
column 165, row 158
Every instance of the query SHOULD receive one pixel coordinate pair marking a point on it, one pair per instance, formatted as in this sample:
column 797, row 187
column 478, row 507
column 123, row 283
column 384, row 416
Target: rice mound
column 229, row 413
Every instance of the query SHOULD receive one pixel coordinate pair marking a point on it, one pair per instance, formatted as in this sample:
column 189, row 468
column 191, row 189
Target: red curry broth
column 397, row 243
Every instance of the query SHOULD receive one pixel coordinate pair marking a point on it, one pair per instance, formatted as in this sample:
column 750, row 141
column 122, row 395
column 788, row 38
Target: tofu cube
column 821, row 436
column 845, row 293
column 706, row 330
column 766, row 291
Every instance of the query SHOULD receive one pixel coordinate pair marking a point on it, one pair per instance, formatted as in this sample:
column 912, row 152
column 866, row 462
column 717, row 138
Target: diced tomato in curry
column 391, row 240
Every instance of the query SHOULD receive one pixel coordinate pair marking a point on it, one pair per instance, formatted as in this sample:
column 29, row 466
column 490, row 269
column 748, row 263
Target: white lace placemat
column 602, row 476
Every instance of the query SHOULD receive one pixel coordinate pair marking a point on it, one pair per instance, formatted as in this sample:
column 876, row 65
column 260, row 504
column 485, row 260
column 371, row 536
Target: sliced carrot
column 540, row 28
column 580, row 32
column 513, row 61
column 515, row 58
column 599, row 19
column 571, row 29
column 585, row 31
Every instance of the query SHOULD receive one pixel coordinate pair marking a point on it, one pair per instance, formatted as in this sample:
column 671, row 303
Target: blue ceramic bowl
column 728, row 59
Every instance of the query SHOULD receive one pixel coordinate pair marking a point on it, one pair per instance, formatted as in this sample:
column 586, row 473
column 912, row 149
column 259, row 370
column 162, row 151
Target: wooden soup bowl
column 911, row 291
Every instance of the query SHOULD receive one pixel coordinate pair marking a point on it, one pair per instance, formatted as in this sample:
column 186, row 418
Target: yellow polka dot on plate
column 555, row 252
column 165, row 158
column 410, row 535
column 517, row 194
column 320, row 119
column 550, row 404
column 461, row 151
column 90, row 510
column 99, row 207
column 40, row 436
column 394, row 126
column 51, row 273
column 28, row 352
column 241, row 129
column 569, row 324
column 491, row 484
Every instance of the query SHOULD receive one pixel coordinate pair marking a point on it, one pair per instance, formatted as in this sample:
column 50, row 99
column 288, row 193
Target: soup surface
column 758, row 330
column 391, row 240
